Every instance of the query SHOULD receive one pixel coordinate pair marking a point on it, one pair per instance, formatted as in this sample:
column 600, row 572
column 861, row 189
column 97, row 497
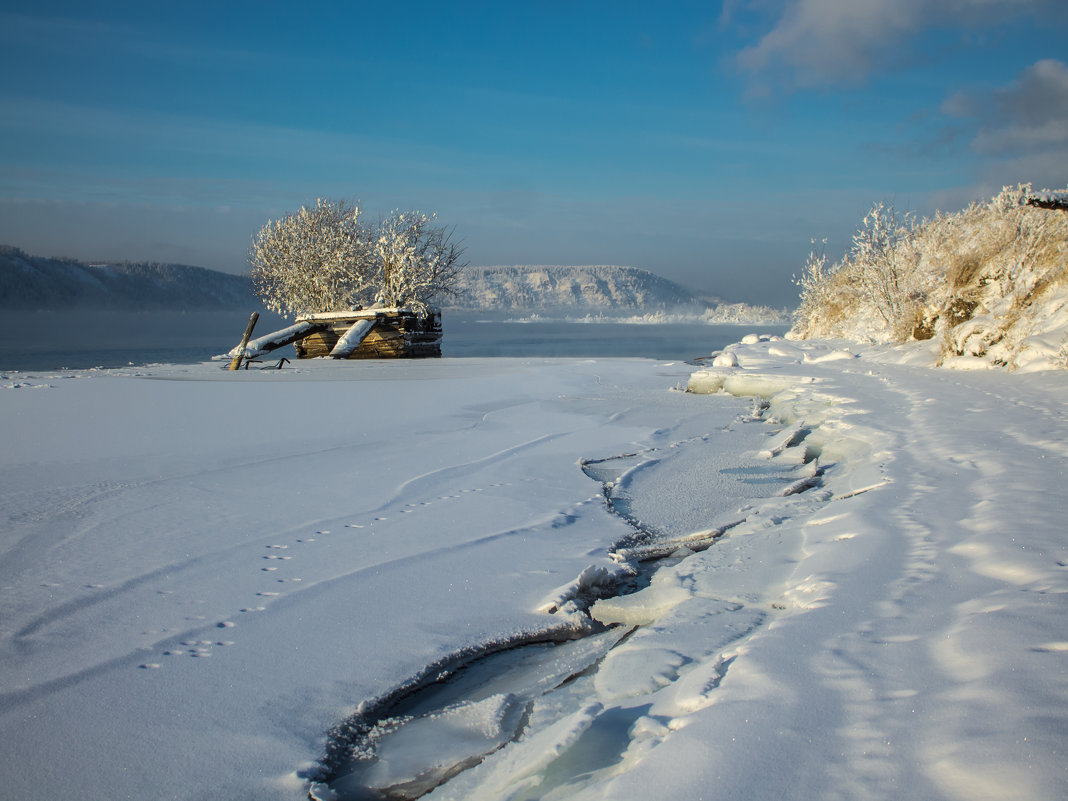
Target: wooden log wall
column 396, row 335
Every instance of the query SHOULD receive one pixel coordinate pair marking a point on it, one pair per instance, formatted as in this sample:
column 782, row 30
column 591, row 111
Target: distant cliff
column 32, row 282
column 618, row 293
column 572, row 289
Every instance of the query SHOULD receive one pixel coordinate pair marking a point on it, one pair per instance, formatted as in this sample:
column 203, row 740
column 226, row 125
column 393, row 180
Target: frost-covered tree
column 417, row 261
column 315, row 260
column 328, row 259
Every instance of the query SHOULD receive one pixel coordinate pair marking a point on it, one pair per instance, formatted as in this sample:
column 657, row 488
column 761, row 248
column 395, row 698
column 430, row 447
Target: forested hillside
column 32, row 282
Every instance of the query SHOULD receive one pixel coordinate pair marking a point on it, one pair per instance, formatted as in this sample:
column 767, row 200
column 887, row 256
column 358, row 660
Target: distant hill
column 36, row 283
column 32, row 282
column 573, row 289
column 625, row 294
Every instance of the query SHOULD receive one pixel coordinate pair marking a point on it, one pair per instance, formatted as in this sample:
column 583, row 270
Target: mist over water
column 84, row 339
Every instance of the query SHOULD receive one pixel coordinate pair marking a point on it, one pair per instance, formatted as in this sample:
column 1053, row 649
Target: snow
column 839, row 573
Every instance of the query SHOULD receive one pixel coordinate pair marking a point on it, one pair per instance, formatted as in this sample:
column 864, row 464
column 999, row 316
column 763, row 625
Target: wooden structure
column 395, row 333
column 372, row 334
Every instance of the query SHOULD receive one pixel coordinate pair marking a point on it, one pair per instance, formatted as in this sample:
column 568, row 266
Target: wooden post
column 236, row 363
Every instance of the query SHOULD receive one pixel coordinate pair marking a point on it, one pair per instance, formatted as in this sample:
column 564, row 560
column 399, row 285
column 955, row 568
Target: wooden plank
column 278, row 339
column 352, row 338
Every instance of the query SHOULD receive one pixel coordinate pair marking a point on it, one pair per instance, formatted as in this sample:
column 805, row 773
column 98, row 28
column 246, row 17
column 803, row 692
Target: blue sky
column 707, row 142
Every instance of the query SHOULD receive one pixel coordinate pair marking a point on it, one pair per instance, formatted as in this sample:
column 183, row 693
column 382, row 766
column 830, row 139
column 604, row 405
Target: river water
column 86, row 339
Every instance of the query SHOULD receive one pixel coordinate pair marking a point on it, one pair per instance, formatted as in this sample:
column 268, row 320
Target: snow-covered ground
column 223, row 585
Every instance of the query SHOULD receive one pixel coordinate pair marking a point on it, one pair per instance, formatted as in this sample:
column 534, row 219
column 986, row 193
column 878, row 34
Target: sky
column 707, row 142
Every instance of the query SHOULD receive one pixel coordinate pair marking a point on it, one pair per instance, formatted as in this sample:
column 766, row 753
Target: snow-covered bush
column 417, row 261
column 875, row 281
column 883, row 263
column 315, row 260
column 986, row 281
column 822, row 303
column 328, row 259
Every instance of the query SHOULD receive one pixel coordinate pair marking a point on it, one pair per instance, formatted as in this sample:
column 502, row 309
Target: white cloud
column 1029, row 115
column 1019, row 131
column 818, row 43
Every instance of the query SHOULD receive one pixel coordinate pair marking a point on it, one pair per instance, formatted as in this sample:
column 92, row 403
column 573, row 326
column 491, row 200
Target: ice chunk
column 726, row 359
column 757, row 385
column 706, row 382
column 634, row 670
column 642, row 607
column 419, row 754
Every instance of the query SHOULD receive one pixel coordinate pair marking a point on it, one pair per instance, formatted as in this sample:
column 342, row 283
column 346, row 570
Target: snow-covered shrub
column 418, row 262
column 982, row 280
column 315, row 260
column 871, row 291
column 883, row 263
column 823, row 304
column 327, row 259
